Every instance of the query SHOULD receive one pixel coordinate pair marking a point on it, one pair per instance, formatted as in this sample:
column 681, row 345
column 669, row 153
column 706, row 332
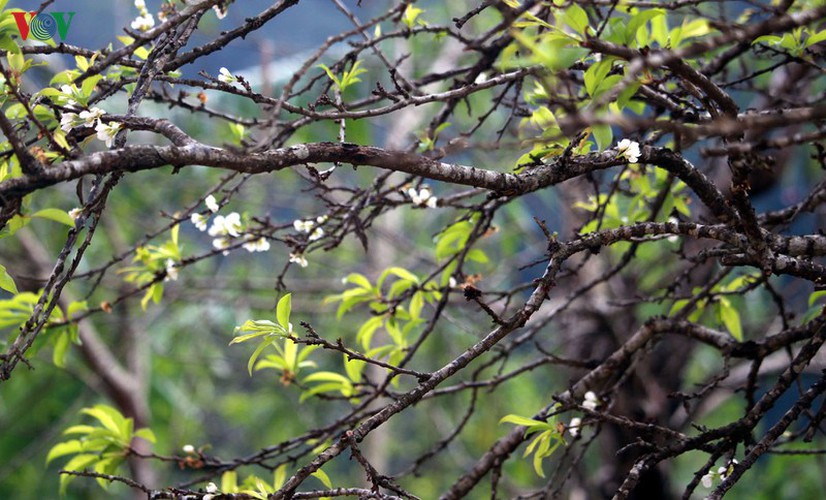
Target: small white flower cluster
column 220, row 10
column 311, row 227
column 188, row 449
column 75, row 213
column 722, row 473
column 106, row 132
column 171, row 271
column 590, row 402
column 423, row 197
column 211, row 489
column 225, row 76
column 224, row 228
column 306, row 226
column 298, row 258
column 85, row 118
column 629, row 149
column 145, row 21
column 73, row 94
column 574, row 426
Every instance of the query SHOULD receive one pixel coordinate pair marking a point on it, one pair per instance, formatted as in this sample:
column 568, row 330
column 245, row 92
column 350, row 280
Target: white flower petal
column 200, row 221
column 317, row 234
column 212, row 204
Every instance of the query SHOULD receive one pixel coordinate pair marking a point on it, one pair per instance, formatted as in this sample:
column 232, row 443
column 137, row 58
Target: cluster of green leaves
column 347, row 78
column 101, row 447
column 719, row 302
column 256, row 487
column 10, row 169
column 151, row 262
column 291, row 358
column 17, row 310
column 633, row 202
column 557, row 45
column 550, row 437
column 388, row 309
column 411, row 18
column 796, row 42
column 268, row 333
column 452, row 241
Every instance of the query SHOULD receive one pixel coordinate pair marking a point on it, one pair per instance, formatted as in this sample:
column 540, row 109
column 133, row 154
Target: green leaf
column 78, row 463
column 65, row 448
column 89, row 84
column 6, row 281
column 399, row 272
column 109, row 417
column 639, row 21
column 477, row 255
column 282, row 312
column 366, row 331
column 523, row 421
column 146, row 434
column 322, row 476
column 61, row 348
column 279, row 477
column 359, row 279
column 603, row 135
column 255, row 354
column 814, row 297
column 576, row 17
column 731, row 318
column 56, row 215
column 416, row 304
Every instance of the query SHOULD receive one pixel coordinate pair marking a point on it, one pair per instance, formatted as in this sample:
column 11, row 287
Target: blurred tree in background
column 498, row 249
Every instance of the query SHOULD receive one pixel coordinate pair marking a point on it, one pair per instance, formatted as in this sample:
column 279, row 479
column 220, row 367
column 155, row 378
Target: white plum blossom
column 725, row 471
column 143, row 22
column 220, row 12
column 591, row 401
column 303, row 226
column 86, row 118
column 221, row 244
column 200, row 221
column 107, row 132
column 211, row 488
column 91, row 115
column 226, row 226
column 72, row 91
column 321, row 219
column 69, row 121
column 75, row 213
column 212, row 204
column 722, row 473
column 299, row 259
column 574, row 426
column 423, row 197
column 257, row 245
column 208, row 496
column 629, row 149
column 171, row 271
column 317, row 234
column 188, row 448
column 225, row 76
